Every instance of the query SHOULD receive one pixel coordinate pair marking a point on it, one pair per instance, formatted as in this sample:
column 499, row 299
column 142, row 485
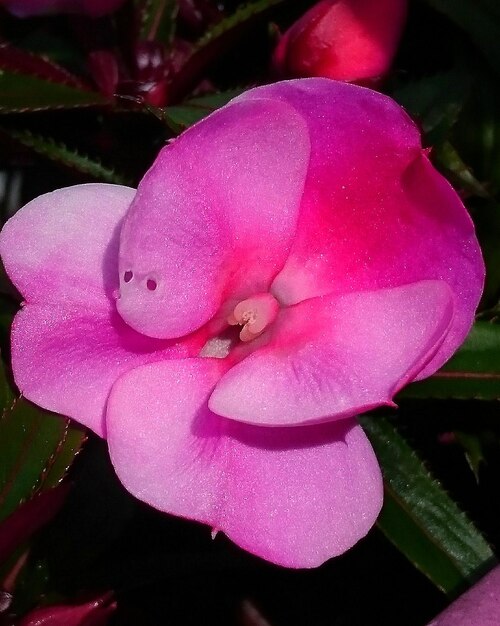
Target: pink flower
column 307, row 213
column 479, row 606
column 351, row 40
column 92, row 8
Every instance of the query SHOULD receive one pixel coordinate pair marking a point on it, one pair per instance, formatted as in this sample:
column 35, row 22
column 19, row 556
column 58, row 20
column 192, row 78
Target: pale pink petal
column 62, row 247
column 333, row 357
column 213, row 218
column 375, row 213
column 294, row 496
column 66, row 359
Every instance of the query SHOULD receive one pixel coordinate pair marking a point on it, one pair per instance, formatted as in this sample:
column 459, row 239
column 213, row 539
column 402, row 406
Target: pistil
column 254, row 314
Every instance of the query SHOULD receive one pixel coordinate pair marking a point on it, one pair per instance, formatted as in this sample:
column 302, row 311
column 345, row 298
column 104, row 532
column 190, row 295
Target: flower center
column 254, row 314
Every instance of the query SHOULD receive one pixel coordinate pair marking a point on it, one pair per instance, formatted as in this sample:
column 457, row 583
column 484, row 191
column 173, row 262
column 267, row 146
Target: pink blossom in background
column 351, row 40
column 479, row 606
column 289, row 262
column 92, row 8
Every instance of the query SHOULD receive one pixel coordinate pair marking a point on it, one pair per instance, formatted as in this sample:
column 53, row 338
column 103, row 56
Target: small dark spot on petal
column 128, row 275
column 151, row 284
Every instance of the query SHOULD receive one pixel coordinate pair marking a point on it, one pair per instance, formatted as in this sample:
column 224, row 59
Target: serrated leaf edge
column 68, row 157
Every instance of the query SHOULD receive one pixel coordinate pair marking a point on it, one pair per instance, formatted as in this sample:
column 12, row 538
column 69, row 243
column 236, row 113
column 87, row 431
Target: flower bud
column 96, row 612
column 349, row 40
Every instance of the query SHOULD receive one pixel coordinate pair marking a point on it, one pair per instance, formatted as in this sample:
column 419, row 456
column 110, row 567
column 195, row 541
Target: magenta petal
column 62, row 247
column 66, row 359
column 213, row 218
column 294, row 496
column 375, row 213
column 333, row 357
column 478, row 606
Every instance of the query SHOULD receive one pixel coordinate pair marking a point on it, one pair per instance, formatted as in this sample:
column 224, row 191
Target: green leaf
column 477, row 134
column 436, row 100
column 21, row 93
column 158, row 20
column 474, row 371
column 188, row 113
column 421, row 520
column 478, row 20
column 242, row 15
column 447, row 158
column 216, row 43
column 36, row 448
column 487, row 222
column 473, row 450
column 49, row 148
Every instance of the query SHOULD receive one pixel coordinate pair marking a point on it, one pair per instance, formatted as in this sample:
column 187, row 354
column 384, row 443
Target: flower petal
column 62, row 247
column 294, row 496
column 333, row 357
column 66, row 359
column 375, row 213
column 213, row 217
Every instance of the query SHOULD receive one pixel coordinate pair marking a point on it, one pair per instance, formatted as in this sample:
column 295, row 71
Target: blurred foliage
column 421, row 519
column 94, row 100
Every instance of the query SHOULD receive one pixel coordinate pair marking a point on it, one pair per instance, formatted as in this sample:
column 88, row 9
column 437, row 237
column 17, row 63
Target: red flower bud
column 94, row 613
column 349, row 40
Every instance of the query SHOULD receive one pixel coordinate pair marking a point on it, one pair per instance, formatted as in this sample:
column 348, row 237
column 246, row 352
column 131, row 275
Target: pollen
column 255, row 314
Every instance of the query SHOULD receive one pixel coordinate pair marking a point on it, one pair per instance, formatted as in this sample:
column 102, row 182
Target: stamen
column 255, row 315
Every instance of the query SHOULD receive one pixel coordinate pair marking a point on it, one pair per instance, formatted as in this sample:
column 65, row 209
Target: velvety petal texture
column 375, row 214
column 71, row 364
column 214, row 218
column 287, row 263
column 335, row 357
column 295, row 496
column 62, row 247
column 68, row 343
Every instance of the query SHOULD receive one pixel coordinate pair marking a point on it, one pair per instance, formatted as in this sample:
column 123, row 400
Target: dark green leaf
column 192, row 111
column 473, row 449
column 158, row 20
column 422, row 521
column 216, row 43
column 36, row 449
column 28, row 518
column 477, row 134
column 436, row 101
column 19, row 61
column 487, row 221
column 20, row 93
column 242, row 15
column 447, row 158
column 492, row 6
column 474, row 371
column 478, row 20
column 70, row 158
